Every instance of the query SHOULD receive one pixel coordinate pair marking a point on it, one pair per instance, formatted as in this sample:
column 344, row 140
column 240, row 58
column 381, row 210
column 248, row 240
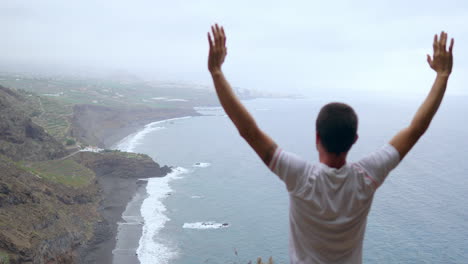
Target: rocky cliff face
column 20, row 138
column 121, row 165
column 42, row 221
column 103, row 126
column 46, row 220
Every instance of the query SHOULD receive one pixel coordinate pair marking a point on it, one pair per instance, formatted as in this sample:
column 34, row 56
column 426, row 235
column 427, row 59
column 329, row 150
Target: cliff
column 42, row 221
column 64, row 210
column 20, row 138
column 103, row 126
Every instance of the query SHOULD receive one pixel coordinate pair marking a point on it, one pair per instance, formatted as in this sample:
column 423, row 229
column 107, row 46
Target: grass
column 54, row 117
column 67, row 172
column 129, row 155
column 4, row 258
column 53, row 113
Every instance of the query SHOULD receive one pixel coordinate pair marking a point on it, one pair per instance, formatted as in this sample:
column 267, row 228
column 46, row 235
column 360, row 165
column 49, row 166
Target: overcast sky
column 299, row 46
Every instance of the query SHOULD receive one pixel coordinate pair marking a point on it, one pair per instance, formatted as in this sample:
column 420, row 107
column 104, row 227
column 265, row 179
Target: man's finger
column 210, row 41
column 213, row 31
column 224, row 36
column 429, row 60
column 218, row 38
column 435, row 44
column 443, row 41
column 452, row 41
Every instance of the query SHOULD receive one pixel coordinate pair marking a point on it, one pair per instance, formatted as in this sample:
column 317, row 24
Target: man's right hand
column 218, row 49
column 442, row 60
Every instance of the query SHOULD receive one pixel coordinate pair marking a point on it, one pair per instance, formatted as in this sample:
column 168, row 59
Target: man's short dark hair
column 337, row 127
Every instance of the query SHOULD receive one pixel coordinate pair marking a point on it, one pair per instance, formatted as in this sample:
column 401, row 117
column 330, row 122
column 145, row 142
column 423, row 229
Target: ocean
column 221, row 204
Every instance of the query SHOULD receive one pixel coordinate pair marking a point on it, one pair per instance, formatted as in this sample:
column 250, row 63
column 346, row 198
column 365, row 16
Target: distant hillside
column 20, row 137
column 103, row 126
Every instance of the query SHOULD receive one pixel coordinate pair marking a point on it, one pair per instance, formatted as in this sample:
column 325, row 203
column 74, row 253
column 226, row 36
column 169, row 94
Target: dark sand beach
column 117, row 238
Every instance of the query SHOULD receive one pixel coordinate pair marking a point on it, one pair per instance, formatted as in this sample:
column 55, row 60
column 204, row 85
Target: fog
column 307, row 47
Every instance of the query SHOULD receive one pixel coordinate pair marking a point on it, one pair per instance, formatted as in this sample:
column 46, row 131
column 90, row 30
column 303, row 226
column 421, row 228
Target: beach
column 118, row 237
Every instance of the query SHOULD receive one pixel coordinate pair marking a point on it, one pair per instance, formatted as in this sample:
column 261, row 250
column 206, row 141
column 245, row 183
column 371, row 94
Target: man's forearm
column 441, row 62
column 427, row 110
column 234, row 109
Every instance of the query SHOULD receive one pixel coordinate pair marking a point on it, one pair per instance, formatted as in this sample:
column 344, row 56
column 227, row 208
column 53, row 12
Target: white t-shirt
column 328, row 207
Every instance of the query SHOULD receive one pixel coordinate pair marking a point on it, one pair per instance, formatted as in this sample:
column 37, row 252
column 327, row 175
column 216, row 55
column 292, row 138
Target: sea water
column 222, row 204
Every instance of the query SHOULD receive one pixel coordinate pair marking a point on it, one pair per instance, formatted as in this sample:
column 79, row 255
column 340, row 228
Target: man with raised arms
column 330, row 200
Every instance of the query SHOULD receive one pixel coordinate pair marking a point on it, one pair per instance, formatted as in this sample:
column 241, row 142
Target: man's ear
column 356, row 138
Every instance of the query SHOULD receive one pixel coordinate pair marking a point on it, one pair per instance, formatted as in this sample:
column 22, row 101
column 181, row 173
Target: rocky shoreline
column 61, row 208
column 119, row 184
column 117, row 178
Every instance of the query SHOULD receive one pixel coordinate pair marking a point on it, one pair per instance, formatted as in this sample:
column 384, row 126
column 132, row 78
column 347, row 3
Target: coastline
column 118, row 240
column 130, row 229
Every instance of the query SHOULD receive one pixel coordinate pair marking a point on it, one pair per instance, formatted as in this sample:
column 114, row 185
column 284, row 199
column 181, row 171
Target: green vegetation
column 117, row 91
column 67, row 172
column 70, row 142
column 4, row 258
column 49, row 101
column 129, row 155
column 54, row 117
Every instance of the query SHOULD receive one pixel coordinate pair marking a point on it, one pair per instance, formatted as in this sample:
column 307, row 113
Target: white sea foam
column 208, row 108
column 152, row 208
column 205, row 225
column 195, row 197
column 130, row 142
column 202, row 164
column 151, row 250
column 177, row 100
column 210, row 111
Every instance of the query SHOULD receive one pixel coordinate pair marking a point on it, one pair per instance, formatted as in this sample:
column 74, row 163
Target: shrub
column 70, row 142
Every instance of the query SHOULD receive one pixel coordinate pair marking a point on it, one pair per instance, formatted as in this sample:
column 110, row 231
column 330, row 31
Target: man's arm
column 263, row 145
column 441, row 62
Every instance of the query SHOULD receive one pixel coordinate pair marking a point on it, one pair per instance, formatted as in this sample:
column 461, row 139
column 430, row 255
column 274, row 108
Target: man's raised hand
column 442, row 59
column 218, row 49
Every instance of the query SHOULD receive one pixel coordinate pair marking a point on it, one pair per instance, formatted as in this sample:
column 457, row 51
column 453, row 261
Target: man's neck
column 333, row 160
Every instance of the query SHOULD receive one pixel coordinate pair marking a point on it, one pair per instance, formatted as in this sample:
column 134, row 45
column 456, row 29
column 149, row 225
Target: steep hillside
column 20, row 138
column 42, row 221
column 55, row 209
column 103, row 126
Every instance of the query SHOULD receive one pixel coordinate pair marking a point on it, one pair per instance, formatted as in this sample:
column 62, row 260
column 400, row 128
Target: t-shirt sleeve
column 379, row 164
column 290, row 168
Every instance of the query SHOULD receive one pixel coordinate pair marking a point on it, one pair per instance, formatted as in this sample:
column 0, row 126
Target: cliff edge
column 56, row 208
